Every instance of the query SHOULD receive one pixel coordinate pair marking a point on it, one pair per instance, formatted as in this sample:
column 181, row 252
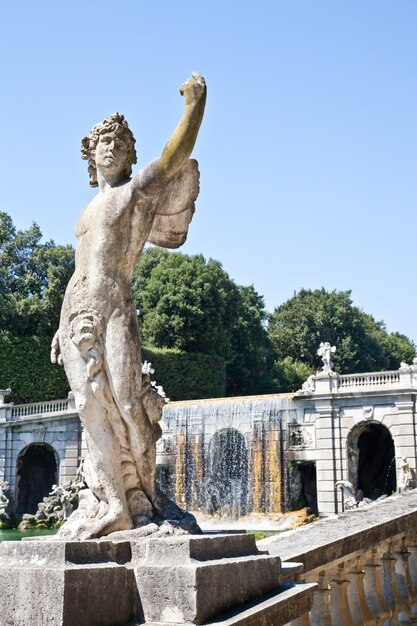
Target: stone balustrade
column 372, row 379
column 329, row 381
column 10, row 412
column 364, row 561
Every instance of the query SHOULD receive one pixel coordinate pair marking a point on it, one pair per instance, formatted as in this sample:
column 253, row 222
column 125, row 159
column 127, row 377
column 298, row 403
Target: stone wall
column 54, row 426
column 236, row 455
column 364, row 561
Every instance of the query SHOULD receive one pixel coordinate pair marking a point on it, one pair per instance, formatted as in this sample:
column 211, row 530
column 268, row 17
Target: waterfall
column 225, row 456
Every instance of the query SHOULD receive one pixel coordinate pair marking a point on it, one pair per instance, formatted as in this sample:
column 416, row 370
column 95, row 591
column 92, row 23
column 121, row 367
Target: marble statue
column 98, row 342
column 325, row 351
column 349, row 498
column 404, row 478
column 3, row 394
column 4, row 501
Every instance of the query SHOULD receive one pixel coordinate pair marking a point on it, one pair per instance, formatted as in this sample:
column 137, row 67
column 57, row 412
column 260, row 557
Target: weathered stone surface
column 275, row 609
column 98, row 341
column 64, row 584
column 172, row 580
column 335, row 538
column 192, row 579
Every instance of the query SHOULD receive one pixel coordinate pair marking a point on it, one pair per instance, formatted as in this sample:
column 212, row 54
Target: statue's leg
column 103, row 448
column 123, row 366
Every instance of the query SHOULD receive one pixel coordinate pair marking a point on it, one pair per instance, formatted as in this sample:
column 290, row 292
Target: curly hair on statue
column 115, row 123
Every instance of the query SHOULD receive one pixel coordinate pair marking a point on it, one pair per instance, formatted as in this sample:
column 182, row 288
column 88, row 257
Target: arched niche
column 36, row 472
column 227, row 485
column 371, row 460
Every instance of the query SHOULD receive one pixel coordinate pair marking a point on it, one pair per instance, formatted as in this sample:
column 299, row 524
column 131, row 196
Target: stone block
column 72, row 435
column 53, row 583
column 323, row 422
column 327, row 496
column 324, row 446
column 192, row 579
column 276, row 609
column 92, row 583
column 324, row 433
column 71, row 454
column 405, row 440
column 59, row 446
column 325, row 475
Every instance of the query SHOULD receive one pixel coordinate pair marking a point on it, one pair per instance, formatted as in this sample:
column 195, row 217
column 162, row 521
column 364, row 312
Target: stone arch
column 227, row 487
column 36, row 471
column 371, row 460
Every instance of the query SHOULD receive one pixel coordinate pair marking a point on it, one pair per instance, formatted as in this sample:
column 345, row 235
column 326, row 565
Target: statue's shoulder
column 145, row 179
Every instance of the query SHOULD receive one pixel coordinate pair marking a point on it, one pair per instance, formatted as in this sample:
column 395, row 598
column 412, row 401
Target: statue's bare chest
column 120, row 216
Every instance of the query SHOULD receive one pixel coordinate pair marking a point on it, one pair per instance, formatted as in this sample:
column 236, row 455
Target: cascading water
column 224, row 456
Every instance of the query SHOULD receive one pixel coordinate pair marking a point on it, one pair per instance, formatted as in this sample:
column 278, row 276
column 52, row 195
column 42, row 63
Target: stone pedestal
column 54, row 583
column 193, row 578
column 170, row 580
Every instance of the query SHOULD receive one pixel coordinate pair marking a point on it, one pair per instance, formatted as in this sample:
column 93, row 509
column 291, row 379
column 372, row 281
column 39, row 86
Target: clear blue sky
column 308, row 150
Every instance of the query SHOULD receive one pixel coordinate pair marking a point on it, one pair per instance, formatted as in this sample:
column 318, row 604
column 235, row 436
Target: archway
column 372, row 466
column 37, row 471
column 227, row 488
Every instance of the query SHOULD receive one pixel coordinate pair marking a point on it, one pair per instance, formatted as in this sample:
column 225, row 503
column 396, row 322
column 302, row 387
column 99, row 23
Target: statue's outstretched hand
column 193, row 89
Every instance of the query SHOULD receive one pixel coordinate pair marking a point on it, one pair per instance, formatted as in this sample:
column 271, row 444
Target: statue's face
column 111, row 153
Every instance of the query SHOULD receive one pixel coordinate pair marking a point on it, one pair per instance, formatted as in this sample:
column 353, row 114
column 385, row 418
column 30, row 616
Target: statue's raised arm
column 181, row 143
column 174, row 177
column 182, row 140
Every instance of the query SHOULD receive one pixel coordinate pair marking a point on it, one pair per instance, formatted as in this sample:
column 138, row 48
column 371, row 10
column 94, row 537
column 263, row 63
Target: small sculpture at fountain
column 4, row 501
column 3, row 394
column 349, row 497
column 56, row 507
column 5, row 519
column 97, row 340
column 309, row 384
column 404, row 478
column 325, row 351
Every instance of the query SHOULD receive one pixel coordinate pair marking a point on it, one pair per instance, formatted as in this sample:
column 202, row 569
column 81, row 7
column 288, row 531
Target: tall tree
column 297, row 327
column 251, row 361
column 185, row 302
column 189, row 303
column 33, row 278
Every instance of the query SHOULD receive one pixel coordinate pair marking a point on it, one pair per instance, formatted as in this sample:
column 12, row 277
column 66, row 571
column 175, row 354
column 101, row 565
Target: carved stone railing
column 364, row 561
column 35, row 409
column 371, row 379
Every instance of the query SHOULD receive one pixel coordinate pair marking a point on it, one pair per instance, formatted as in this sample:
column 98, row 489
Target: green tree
column 250, row 364
column 185, row 302
column 191, row 304
column 297, row 327
column 33, row 278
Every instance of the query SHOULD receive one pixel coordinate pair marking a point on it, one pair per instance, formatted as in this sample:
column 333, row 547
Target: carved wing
column 175, row 207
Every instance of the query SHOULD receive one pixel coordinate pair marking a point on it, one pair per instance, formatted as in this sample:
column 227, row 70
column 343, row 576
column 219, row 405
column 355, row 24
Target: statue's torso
column 111, row 233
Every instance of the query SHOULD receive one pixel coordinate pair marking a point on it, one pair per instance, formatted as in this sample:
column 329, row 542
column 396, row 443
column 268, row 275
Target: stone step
column 194, row 578
column 176, row 580
column 275, row 609
column 182, row 548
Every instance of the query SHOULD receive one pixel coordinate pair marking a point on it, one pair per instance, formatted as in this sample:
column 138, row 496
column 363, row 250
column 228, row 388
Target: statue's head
column 117, row 124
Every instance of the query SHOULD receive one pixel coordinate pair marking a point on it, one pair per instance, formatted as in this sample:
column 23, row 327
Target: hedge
column 187, row 375
column 25, row 368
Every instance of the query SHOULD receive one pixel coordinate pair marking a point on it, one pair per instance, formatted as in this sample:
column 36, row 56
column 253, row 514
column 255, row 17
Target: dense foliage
column 25, row 367
column 187, row 376
column 191, row 304
column 297, row 327
column 204, row 334
column 33, row 278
